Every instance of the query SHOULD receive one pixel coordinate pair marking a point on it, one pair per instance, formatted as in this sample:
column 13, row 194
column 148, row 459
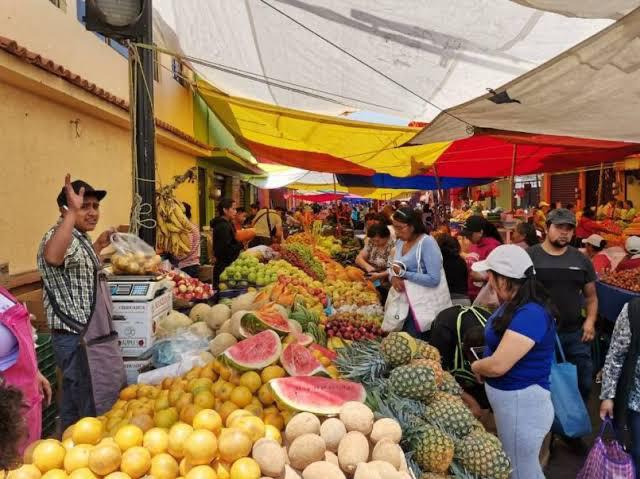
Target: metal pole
column 145, row 128
column 599, row 202
column 513, row 177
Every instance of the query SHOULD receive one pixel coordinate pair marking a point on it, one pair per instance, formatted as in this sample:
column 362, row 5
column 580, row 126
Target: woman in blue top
column 520, row 342
column 413, row 242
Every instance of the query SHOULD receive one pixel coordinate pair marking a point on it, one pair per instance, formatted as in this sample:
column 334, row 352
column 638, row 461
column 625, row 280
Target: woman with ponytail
column 520, row 343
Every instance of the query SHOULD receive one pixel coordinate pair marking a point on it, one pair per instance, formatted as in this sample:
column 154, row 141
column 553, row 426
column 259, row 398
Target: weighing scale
column 136, row 288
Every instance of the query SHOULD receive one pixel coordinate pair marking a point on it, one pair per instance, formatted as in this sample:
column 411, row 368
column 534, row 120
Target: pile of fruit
column 354, row 293
column 248, row 270
column 628, row 279
column 301, row 256
column 289, row 289
column 633, row 228
column 187, row 288
column 354, row 326
column 405, row 381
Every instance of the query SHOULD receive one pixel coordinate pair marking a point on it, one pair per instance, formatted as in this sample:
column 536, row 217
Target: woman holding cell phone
column 520, row 342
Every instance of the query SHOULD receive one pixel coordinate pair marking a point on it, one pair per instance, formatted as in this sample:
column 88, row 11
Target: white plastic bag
column 133, row 255
column 156, row 376
column 396, row 310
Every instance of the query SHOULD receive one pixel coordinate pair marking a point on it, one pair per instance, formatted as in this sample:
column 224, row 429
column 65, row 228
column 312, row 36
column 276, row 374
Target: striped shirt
column 72, row 284
column 193, row 258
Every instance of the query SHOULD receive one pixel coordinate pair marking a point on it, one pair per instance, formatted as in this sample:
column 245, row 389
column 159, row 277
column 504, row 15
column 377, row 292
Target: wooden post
column 600, row 185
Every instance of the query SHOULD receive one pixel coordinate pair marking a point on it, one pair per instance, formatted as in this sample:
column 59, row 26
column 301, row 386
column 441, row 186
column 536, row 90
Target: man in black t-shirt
column 570, row 278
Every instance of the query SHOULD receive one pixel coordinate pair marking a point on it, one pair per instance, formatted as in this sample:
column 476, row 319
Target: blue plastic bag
column 571, row 416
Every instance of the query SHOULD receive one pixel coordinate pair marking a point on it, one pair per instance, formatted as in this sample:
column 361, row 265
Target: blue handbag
column 571, row 416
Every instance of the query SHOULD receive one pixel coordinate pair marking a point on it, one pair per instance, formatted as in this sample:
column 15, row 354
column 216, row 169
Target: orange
column 156, row 440
column 234, row 377
column 161, row 403
column 166, row 418
column 136, row 462
column 201, row 472
column 77, row 458
column 233, row 444
column 238, row 413
column 178, row 433
column 174, row 395
column 87, row 430
column 222, row 390
column 27, row 457
column 273, row 433
column 55, row 474
column 272, row 372
column 251, row 425
column 251, row 379
column 49, row 455
column 225, row 372
column 167, row 382
column 209, row 374
column 117, row 475
column 143, row 421
column 265, row 395
column 129, row 393
column 200, row 383
column 208, row 419
column 128, row 436
column 245, row 468
column 241, row 396
column 200, row 447
column 186, row 398
column 164, row 466
column 105, row 459
column 205, row 399
column 184, row 467
column 28, row 471
column 227, row 408
column 255, row 409
column 274, row 420
column 82, row 473
column 216, row 365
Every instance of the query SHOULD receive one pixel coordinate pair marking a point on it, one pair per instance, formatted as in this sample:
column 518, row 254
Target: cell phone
column 477, row 351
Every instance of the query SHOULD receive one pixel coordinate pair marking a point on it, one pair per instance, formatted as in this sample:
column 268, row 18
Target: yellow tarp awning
column 321, row 143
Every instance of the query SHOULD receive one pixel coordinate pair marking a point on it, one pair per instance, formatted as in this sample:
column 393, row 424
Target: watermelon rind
column 256, row 352
column 298, row 361
column 254, row 323
column 300, row 338
column 317, row 395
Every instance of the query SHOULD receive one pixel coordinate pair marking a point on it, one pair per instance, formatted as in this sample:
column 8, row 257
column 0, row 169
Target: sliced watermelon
column 256, row 352
column 315, row 394
column 298, row 361
column 254, row 322
column 300, row 338
column 327, row 353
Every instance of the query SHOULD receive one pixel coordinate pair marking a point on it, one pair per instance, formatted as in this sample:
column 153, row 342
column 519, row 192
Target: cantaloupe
column 174, row 321
column 217, row 315
column 243, row 302
column 199, row 312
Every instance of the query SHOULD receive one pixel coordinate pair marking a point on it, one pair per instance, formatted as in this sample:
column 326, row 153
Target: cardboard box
column 132, row 368
column 135, row 323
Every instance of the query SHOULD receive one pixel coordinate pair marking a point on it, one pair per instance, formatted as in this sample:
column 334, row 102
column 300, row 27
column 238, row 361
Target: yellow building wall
column 38, row 147
column 173, row 163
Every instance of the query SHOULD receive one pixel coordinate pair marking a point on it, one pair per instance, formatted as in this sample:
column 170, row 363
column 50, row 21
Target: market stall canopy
column 418, row 182
column 590, row 91
column 320, row 142
column 584, row 8
column 408, row 58
column 279, row 176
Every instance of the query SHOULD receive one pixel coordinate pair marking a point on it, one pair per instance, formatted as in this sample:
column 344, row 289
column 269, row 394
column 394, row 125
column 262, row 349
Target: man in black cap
column 570, row 278
column 78, row 305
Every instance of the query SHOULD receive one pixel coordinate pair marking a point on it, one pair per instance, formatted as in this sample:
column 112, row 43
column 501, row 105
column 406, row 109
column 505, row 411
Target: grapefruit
column 128, row 436
column 166, row 418
column 241, row 396
column 55, row 474
column 201, row 472
column 105, row 458
column 27, row 471
column 82, row 473
column 233, row 444
column 238, row 413
column 189, row 412
column 87, row 430
column 156, row 440
column 144, row 421
column 273, row 433
column 136, row 462
column 251, row 380
column 77, row 458
column 205, row 399
column 178, row 434
column 117, row 475
column 208, row 419
column 200, row 447
column 251, row 425
column 49, row 455
column 27, row 457
column 245, row 468
column 164, row 466
column 68, row 432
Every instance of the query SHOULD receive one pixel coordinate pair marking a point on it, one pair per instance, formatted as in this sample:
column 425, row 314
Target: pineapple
column 450, row 385
column 413, row 382
column 426, row 351
column 361, row 361
column 451, row 414
column 435, row 475
column 433, row 450
column 480, row 454
column 435, row 365
column 398, row 349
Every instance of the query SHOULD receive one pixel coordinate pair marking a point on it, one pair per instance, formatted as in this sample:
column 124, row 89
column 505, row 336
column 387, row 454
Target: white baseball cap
column 594, row 240
column 508, row 260
column 632, row 245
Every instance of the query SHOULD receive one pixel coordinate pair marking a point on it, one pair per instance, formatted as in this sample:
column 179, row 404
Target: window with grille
column 61, row 4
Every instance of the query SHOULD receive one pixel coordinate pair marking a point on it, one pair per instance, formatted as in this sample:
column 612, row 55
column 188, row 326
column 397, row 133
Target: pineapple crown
column 362, row 362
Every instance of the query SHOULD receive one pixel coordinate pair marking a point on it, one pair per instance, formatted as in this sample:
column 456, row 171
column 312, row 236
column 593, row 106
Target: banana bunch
column 173, row 227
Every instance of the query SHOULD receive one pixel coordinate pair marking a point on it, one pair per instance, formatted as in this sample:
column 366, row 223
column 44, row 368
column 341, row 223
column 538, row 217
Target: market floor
column 564, row 463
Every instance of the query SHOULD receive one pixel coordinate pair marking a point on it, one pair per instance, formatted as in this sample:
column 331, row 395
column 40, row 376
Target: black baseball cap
column 474, row 224
column 76, row 185
column 561, row 216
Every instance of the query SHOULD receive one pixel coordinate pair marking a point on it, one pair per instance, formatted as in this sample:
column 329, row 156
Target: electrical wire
column 370, row 67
